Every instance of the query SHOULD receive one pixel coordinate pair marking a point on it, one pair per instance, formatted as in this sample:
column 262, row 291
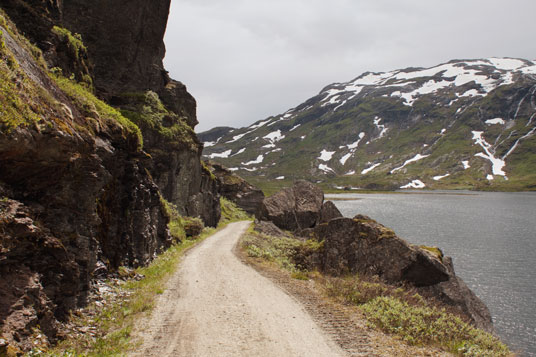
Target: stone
column 328, row 212
column 269, row 229
column 295, row 208
column 361, row 245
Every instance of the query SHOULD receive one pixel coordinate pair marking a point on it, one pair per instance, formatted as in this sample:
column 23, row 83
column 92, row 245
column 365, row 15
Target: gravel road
column 217, row 306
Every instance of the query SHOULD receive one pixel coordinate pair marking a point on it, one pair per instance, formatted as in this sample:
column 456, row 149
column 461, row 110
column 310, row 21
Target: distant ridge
column 461, row 124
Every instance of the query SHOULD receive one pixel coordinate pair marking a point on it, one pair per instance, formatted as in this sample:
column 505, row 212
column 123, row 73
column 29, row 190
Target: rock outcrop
column 81, row 185
column 269, row 229
column 234, row 188
column 361, row 245
column 297, row 208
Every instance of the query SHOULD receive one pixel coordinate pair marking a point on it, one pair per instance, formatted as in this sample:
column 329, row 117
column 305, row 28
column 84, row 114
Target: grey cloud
column 244, row 60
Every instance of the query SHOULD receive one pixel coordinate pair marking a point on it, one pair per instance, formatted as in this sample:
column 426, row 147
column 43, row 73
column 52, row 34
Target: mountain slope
column 462, row 124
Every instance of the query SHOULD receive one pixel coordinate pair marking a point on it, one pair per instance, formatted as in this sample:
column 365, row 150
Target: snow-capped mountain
column 462, row 124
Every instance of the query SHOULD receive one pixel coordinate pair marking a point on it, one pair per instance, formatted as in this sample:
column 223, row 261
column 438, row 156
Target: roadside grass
column 395, row 310
column 115, row 322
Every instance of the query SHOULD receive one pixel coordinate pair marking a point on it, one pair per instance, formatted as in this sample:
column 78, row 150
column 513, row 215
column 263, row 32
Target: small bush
column 193, row 226
column 76, row 45
column 428, row 325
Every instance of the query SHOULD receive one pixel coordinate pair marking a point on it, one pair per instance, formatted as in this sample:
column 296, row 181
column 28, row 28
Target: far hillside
column 465, row 124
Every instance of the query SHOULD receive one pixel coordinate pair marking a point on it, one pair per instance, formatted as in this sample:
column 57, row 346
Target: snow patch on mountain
column 497, row 165
column 413, row 159
column 258, row 160
column 274, row 136
column 369, row 169
column 222, row 155
column 414, row 184
column 326, row 155
column 238, row 137
column 383, row 129
column 326, row 168
column 345, row 158
column 437, row 178
column 495, row 121
column 239, row 152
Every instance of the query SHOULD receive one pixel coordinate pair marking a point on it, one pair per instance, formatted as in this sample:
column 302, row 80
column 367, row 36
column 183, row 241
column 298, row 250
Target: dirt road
column 217, row 306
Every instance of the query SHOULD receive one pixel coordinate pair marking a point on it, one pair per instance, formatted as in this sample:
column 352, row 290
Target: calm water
column 491, row 237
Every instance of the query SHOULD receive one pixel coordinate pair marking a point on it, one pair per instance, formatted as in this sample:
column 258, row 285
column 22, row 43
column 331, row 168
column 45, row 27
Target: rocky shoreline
column 362, row 245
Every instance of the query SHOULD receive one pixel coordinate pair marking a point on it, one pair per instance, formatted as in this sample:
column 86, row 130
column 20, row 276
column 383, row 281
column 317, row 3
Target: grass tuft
column 431, row 326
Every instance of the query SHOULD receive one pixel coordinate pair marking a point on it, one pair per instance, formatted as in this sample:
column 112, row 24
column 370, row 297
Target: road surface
column 217, row 306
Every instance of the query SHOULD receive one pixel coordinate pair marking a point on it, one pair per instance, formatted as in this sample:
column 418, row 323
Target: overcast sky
column 245, row 60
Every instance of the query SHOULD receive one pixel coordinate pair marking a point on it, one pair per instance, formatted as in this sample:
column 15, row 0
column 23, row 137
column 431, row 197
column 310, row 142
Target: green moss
column 149, row 113
column 434, row 250
column 75, row 42
column 95, row 108
column 205, row 167
column 17, row 93
column 231, row 213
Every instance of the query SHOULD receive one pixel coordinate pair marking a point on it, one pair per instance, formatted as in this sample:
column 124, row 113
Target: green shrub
column 420, row 325
column 149, row 113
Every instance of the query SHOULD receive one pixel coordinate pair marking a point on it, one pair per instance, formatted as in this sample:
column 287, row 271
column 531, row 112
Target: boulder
column 269, row 229
column 328, row 212
column 361, row 245
column 295, row 208
column 454, row 292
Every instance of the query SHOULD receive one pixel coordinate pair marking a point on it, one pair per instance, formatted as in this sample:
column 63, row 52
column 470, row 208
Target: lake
column 491, row 237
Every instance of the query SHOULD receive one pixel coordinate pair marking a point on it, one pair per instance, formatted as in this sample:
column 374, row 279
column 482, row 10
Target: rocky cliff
column 81, row 182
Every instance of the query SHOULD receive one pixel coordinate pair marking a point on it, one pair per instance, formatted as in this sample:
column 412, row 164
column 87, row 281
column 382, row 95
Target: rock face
column 234, row 188
column 297, row 208
column 138, row 26
column 361, row 245
column 328, row 212
column 79, row 197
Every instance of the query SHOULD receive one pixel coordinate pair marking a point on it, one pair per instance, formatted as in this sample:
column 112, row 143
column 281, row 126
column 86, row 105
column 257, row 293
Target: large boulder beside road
column 298, row 207
column 361, row 245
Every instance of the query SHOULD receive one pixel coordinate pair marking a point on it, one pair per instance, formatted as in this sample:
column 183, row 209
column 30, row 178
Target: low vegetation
column 396, row 310
column 148, row 112
column 94, row 108
column 113, row 324
column 17, row 107
column 76, row 45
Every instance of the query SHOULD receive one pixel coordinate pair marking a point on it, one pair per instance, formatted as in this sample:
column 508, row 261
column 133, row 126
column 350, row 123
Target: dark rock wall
column 73, row 201
column 124, row 40
column 78, row 197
